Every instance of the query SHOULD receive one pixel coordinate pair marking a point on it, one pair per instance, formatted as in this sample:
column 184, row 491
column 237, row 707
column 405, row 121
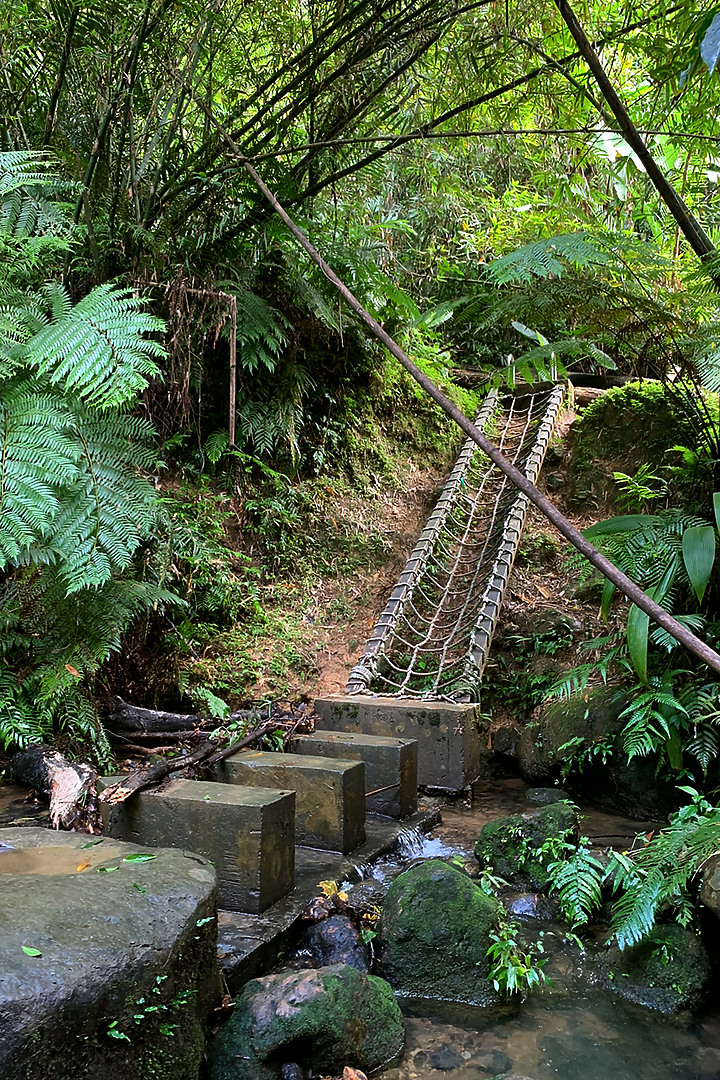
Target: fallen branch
column 206, row 755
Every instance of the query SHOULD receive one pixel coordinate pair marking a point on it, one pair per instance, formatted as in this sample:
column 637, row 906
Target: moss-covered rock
column 627, row 427
column 668, row 971
column 591, row 718
column 518, row 848
column 325, row 1018
column 434, row 935
column 563, row 729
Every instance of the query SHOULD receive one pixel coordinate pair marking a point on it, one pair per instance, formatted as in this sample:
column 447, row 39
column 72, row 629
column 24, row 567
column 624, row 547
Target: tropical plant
column 74, row 503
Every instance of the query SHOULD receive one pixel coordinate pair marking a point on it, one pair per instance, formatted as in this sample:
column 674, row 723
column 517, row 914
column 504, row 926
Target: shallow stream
column 566, row 1030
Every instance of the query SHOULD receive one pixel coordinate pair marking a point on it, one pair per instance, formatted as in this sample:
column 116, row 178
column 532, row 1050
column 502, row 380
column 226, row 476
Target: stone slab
column 105, row 936
column 250, row 945
column 247, row 832
column 447, row 738
column 329, row 794
column 390, row 766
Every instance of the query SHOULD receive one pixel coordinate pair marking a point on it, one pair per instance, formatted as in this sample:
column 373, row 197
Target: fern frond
column 578, row 881
column 544, row 258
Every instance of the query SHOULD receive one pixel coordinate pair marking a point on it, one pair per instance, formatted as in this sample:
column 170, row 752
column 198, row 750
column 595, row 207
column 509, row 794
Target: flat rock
column 107, row 966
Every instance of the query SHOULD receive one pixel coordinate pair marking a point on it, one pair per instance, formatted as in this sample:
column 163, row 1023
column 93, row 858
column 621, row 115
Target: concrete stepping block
column 391, row 766
column 329, row 794
column 248, row 833
column 448, row 741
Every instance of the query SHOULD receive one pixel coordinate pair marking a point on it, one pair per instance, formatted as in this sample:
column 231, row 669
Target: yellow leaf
column 328, row 888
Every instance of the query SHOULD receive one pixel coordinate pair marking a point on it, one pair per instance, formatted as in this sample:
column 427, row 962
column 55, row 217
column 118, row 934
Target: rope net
column 433, row 638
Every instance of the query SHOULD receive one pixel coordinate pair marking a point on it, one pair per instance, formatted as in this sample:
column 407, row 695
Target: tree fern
column 74, row 505
column 546, row 257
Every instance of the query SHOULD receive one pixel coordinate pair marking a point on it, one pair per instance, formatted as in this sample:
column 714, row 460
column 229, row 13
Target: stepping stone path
column 263, row 808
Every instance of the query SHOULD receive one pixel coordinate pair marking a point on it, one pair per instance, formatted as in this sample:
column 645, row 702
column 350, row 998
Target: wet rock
column 326, row 1018
column 668, row 971
column 532, row 906
column 493, row 1062
column 336, row 941
column 434, row 935
column 589, row 717
column 511, row 845
column 710, row 885
column 445, row 1058
column 104, row 946
column 544, row 796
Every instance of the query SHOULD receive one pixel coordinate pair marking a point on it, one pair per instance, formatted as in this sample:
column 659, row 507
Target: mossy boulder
column 324, row 1018
column 591, row 718
column 434, row 935
column 668, row 971
column 623, row 429
column 512, row 846
column 562, row 729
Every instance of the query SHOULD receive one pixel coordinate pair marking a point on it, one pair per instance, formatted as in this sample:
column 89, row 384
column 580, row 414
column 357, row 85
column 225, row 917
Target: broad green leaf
column 140, row 888
column 716, row 508
column 30, row 951
column 139, row 856
column 107, row 869
column 606, row 598
column 710, row 46
column 698, row 548
column 91, row 843
column 624, row 523
column 637, row 639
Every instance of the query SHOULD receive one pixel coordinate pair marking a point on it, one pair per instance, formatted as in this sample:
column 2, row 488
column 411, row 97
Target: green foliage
column 74, row 504
column 659, row 875
column 578, row 881
column 515, row 968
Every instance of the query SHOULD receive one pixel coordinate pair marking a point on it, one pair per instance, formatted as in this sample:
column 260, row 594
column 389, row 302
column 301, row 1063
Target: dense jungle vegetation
column 459, row 167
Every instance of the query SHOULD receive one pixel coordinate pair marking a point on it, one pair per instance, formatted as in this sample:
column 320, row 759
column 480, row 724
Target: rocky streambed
column 107, row 965
column 646, row 1013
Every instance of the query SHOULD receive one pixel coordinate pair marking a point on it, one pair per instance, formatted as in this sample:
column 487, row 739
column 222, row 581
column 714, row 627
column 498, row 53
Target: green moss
column 667, row 971
column 326, row 1019
column 435, row 932
column 518, row 848
column 626, row 427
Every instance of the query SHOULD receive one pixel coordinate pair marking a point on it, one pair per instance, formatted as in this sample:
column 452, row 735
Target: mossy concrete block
column 248, row 833
column 329, row 794
column 324, row 1019
column 667, row 971
column 449, row 745
column 106, row 946
column 391, row 766
column 511, row 846
column 435, row 933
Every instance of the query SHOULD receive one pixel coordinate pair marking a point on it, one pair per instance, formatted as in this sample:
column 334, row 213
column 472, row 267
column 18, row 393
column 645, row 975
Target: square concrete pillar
column 248, row 833
column 390, row 766
column 447, row 738
column 329, row 795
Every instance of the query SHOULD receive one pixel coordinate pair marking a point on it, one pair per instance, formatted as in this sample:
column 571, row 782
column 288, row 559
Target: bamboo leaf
column 698, row 548
column 624, row 523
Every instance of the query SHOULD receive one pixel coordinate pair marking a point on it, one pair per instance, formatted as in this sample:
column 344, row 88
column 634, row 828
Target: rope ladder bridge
column 422, row 668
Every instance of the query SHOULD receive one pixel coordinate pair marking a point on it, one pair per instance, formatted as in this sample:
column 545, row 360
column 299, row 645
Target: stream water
column 566, row 1030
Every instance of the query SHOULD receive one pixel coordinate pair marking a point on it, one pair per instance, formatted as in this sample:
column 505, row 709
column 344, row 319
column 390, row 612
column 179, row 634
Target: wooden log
column 67, row 784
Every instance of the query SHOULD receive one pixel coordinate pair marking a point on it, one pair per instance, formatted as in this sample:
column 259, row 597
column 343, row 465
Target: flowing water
column 566, row 1030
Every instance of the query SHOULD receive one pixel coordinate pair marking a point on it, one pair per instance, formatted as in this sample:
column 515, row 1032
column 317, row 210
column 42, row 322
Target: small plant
column 514, row 968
